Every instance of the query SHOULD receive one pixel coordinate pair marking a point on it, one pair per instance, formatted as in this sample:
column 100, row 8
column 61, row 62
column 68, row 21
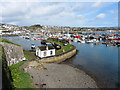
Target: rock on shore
column 60, row 76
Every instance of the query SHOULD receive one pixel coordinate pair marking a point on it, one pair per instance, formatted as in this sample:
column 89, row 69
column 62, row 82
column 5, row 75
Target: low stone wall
column 59, row 58
column 13, row 53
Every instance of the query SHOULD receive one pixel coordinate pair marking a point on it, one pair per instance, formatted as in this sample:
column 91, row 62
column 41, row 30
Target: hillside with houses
column 9, row 29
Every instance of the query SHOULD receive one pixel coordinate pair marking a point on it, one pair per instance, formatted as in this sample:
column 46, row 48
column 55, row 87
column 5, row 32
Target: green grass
column 65, row 48
column 29, row 55
column 5, row 40
column 20, row 78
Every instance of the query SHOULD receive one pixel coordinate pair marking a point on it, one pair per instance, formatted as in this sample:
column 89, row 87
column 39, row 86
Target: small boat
column 39, row 39
column 27, row 37
column 33, row 46
column 90, row 41
column 70, row 39
column 32, row 38
column 48, row 43
column 82, row 41
column 75, row 40
column 79, row 40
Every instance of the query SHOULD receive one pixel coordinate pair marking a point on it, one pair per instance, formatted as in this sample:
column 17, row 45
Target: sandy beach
column 59, row 76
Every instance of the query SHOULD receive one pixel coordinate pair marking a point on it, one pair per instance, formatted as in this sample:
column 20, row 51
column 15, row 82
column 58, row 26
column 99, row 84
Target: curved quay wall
column 61, row 57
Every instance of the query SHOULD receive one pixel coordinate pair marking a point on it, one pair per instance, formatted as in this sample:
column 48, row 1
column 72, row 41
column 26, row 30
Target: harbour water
column 100, row 60
column 25, row 43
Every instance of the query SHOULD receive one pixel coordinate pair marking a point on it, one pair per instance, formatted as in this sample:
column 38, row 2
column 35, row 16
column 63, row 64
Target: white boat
column 32, row 38
column 82, row 41
column 90, row 41
column 27, row 37
column 78, row 40
column 75, row 40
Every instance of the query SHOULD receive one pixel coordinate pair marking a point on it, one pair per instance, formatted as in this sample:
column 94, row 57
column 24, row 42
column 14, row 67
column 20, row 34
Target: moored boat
column 33, row 46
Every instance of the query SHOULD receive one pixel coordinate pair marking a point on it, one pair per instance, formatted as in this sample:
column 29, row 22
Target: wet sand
column 60, row 76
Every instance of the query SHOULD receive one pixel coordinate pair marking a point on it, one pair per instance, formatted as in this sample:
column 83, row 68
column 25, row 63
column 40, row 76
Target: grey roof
column 42, row 48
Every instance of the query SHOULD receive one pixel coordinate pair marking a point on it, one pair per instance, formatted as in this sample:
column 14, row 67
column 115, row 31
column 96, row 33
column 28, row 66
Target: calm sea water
column 25, row 43
column 100, row 60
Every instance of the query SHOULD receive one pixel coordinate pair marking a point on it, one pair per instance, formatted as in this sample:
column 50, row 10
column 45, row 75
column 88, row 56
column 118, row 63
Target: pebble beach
column 59, row 76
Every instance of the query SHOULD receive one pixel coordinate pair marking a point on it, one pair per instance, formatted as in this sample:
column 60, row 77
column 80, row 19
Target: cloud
column 12, row 19
column 61, row 14
column 46, row 10
column 113, row 11
column 79, row 7
column 12, row 9
column 101, row 16
column 80, row 16
column 0, row 19
column 97, row 4
column 98, row 17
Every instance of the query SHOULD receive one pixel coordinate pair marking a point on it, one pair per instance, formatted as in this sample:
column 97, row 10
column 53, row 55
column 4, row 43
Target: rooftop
column 42, row 48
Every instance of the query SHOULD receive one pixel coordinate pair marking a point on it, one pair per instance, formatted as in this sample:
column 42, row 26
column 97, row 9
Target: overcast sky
column 74, row 14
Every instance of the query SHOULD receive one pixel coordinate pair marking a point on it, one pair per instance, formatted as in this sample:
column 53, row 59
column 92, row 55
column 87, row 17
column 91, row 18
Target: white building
column 45, row 51
column 18, row 32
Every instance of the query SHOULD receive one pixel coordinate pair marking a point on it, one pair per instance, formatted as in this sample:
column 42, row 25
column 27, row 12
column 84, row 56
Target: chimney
column 46, row 47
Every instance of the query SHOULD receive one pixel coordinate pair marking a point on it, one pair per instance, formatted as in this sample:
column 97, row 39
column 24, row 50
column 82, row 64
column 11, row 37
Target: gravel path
column 60, row 76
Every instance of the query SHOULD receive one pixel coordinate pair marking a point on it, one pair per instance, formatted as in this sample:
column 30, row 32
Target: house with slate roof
column 45, row 51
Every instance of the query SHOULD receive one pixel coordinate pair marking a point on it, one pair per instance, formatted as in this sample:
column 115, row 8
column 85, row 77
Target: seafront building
column 45, row 51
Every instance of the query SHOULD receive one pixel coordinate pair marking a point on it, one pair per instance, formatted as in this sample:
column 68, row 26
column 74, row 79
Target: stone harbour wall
column 0, row 67
column 13, row 53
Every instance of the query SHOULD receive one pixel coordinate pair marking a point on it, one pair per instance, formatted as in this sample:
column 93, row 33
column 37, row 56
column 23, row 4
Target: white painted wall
column 48, row 53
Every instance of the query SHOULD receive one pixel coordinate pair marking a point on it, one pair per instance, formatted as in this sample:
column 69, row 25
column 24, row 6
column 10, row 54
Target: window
column 37, row 53
column 51, row 52
column 44, row 53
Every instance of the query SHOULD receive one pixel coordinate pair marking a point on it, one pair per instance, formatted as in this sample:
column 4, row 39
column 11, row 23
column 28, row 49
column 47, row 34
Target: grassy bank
column 60, row 42
column 5, row 40
column 20, row 78
column 29, row 55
